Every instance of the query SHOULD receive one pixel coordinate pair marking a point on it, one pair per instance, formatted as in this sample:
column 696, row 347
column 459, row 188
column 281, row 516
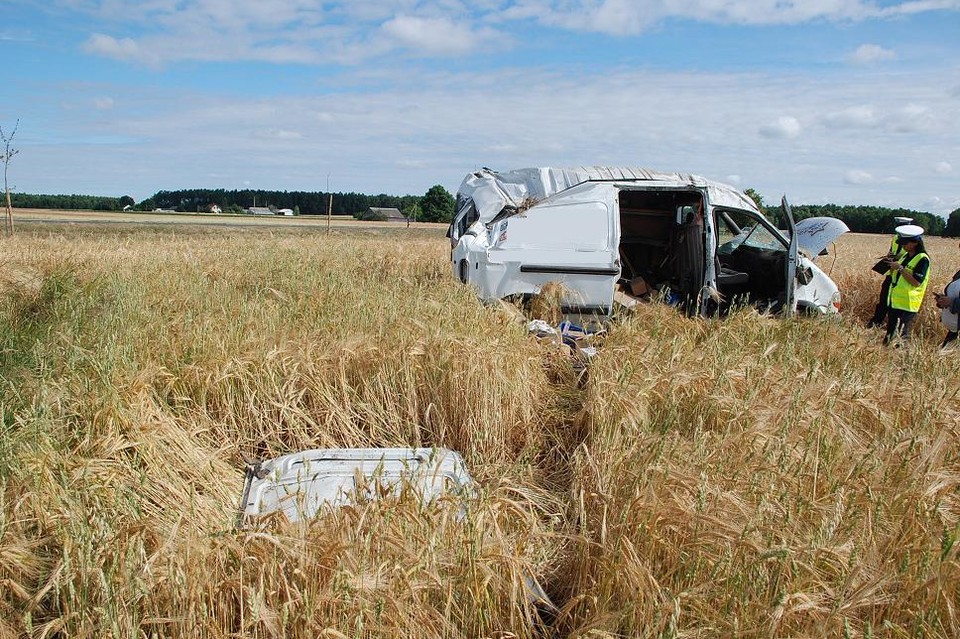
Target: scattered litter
column 625, row 300
column 577, row 340
column 542, row 329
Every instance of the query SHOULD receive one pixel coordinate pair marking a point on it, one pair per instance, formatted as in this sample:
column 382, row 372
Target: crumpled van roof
column 491, row 191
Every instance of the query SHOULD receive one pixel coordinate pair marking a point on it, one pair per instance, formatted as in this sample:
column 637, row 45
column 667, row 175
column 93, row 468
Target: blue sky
column 844, row 101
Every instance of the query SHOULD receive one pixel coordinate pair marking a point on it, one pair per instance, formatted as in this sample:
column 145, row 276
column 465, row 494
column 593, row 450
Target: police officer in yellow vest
column 908, row 282
column 880, row 312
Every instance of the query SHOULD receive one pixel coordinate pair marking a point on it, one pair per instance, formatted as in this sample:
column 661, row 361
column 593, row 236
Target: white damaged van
column 700, row 243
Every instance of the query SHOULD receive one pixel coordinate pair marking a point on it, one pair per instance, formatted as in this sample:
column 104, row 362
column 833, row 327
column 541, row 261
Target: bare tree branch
column 6, row 156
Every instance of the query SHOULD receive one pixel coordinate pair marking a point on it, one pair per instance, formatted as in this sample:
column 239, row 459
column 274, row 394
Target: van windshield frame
column 736, row 228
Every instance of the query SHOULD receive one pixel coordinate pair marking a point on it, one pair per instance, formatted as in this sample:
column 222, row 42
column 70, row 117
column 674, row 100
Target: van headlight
column 835, row 301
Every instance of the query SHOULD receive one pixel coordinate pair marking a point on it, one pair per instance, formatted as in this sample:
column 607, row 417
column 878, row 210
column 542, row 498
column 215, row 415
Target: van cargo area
column 661, row 240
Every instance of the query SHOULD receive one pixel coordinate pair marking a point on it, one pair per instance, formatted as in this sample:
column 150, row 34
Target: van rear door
column 569, row 240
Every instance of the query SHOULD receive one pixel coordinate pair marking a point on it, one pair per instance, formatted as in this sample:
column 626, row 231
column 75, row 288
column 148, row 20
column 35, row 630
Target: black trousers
column 880, row 312
column 898, row 324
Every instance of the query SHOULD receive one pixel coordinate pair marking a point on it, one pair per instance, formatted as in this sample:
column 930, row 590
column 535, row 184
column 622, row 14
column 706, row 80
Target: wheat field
column 750, row 477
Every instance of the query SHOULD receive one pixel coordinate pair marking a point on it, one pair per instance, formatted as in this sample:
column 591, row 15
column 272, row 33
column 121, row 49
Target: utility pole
column 329, row 203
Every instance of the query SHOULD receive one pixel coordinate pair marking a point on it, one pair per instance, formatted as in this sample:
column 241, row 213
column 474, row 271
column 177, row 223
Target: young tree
column 437, row 205
column 6, row 155
column 953, row 224
column 756, row 197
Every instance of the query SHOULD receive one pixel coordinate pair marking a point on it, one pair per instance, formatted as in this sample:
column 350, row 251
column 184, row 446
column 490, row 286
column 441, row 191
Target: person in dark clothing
column 949, row 304
column 908, row 283
column 880, row 311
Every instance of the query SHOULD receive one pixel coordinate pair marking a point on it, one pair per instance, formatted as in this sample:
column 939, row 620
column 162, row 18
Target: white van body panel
column 821, row 294
column 300, row 485
column 569, row 238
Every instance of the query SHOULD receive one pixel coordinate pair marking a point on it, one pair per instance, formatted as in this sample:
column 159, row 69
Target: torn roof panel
column 491, row 191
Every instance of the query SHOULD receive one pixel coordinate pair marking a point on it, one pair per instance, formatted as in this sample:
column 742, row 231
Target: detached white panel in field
column 301, row 484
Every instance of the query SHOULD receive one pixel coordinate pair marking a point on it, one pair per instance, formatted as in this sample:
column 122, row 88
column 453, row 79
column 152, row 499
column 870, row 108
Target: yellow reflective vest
column 904, row 295
column 895, row 248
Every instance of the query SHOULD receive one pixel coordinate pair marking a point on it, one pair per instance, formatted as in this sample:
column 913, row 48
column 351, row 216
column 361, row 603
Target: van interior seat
column 729, row 277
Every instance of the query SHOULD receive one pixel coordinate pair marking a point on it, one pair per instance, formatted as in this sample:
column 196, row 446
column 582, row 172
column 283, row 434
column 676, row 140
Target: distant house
column 284, row 211
column 215, row 209
column 259, row 210
column 384, row 214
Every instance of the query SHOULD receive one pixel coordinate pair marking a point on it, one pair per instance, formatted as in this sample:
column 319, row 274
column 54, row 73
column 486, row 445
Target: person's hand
column 942, row 301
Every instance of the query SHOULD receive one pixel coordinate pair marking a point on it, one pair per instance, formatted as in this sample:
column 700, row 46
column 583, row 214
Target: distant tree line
column 435, row 206
column 861, row 219
column 71, row 202
column 308, row 202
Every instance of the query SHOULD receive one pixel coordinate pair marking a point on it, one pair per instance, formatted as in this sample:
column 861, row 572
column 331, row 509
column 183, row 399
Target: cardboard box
column 638, row 287
column 625, row 299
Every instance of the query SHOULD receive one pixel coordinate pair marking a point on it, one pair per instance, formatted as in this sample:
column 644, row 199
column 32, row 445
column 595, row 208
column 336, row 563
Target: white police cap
column 909, row 231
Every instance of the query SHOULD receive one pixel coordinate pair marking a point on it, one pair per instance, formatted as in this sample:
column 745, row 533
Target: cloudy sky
column 844, row 101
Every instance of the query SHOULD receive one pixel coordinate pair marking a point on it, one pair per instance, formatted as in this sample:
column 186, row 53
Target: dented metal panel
column 491, row 191
column 300, row 485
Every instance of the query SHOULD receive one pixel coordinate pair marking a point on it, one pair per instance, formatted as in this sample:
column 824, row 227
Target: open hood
column 814, row 234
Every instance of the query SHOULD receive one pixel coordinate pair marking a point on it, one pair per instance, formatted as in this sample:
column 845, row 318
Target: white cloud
column 103, row 103
column 18, row 35
column 912, row 118
column 906, row 119
column 307, row 31
column 854, row 117
column 871, row 53
column 412, row 164
column 918, row 6
column 279, row 134
column 111, row 47
column 124, row 49
column 630, row 17
column 438, row 36
column 857, row 177
column 942, row 167
column 784, row 127
column 734, row 179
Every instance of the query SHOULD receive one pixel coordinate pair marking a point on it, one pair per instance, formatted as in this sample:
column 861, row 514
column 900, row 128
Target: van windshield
column 739, row 228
